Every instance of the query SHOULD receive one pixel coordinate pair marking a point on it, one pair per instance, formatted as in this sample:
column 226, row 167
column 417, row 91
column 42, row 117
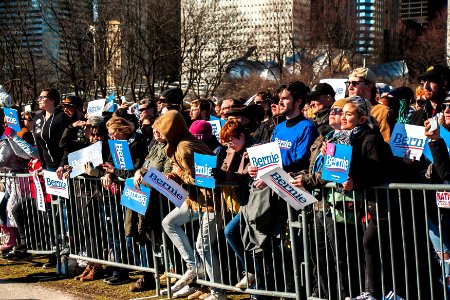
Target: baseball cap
column 365, row 73
column 321, row 89
column 436, row 73
column 72, row 101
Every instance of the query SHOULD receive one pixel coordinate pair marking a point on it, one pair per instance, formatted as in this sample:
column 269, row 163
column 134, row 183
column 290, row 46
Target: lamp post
column 94, row 48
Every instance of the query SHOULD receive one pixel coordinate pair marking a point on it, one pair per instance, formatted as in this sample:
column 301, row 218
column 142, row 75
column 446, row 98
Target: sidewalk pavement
column 16, row 291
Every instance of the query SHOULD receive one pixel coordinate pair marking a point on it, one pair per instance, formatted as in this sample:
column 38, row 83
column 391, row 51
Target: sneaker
column 116, row 280
column 184, row 292
column 363, row 296
column 216, row 296
column 186, row 279
column 247, row 281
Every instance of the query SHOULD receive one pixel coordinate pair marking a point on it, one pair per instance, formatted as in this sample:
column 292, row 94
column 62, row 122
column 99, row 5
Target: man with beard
column 435, row 83
column 362, row 83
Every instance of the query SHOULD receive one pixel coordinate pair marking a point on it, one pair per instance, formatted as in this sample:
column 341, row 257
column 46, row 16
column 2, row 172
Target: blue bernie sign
column 203, row 166
column 337, row 165
column 12, row 118
column 120, row 153
column 136, row 200
column 445, row 134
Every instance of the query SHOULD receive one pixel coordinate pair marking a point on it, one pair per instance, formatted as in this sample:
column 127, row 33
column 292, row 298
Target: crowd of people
column 302, row 120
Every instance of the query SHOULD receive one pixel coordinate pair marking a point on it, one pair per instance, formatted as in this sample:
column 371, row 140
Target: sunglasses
column 445, row 106
column 420, row 102
column 354, row 83
column 336, row 111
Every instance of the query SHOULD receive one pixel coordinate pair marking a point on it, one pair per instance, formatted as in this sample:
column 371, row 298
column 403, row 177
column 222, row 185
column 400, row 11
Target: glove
column 90, row 170
column 9, row 132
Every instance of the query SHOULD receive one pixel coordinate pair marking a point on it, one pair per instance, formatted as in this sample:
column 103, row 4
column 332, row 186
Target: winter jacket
column 140, row 226
column 47, row 135
column 385, row 119
column 235, row 167
column 180, row 148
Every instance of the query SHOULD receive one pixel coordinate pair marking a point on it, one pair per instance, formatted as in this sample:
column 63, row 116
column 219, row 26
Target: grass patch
column 31, row 271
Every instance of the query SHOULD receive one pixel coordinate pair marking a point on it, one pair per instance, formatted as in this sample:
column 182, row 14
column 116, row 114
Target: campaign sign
column 56, row 186
column 95, row 107
column 336, row 167
column 12, row 118
column 443, row 199
column 136, row 200
column 78, row 159
column 445, row 134
column 278, row 180
column 169, row 188
column 266, row 157
column 408, row 137
column 338, row 85
column 120, row 153
column 39, row 193
column 203, row 166
column 216, row 127
column 109, row 107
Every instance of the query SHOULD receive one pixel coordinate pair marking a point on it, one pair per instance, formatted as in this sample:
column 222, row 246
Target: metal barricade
column 326, row 251
column 377, row 242
column 39, row 229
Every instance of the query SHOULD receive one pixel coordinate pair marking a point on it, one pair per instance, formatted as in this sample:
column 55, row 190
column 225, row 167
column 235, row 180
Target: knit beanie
column 201, row 129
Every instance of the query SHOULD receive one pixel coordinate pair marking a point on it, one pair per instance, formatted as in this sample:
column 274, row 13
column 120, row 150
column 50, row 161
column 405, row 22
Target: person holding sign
column 441, row 166
column 121, row 129
column 181, row 145
column 369, row 152
column 330, row 228
column 234, row 169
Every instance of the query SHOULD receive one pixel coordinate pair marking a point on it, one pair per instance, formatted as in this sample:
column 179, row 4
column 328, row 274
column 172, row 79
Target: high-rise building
column 420, row 11
column 36, row 25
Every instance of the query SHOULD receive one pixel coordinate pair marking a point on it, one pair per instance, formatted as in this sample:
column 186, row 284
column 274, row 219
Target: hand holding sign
column 266, row 157
column 12, row 118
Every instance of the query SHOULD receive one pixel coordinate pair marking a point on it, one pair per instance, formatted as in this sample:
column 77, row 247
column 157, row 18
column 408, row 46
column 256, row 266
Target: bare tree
column 210, row 40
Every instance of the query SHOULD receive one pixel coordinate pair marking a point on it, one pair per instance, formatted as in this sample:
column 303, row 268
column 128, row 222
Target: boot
column 8, row 238
column 85, row 273
column 95, row 273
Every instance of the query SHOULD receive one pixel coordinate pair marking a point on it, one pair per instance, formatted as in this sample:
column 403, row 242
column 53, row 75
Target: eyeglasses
column 445, row 106
column 142, row 109
column 354, row 83
column 336, row 111
column 42, row 97
column 69, row 107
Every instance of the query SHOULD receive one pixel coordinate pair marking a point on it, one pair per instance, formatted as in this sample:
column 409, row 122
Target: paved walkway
column 16, row 291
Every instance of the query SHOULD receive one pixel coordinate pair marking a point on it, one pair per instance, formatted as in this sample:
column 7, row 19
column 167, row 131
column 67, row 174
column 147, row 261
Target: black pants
column 335, row 238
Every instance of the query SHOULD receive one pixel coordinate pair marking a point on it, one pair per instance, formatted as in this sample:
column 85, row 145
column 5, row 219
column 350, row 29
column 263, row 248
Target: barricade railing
column 40, row 229
column 379, row 241
column 320, row 252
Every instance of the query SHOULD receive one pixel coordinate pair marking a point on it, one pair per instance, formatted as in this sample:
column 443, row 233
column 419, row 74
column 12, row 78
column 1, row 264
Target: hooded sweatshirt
column 180, row 148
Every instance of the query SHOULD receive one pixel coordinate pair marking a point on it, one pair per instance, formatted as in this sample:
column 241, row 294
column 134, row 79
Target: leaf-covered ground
column 31, row 271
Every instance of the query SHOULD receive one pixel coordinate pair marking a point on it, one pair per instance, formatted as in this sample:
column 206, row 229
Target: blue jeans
column 433, row 231
column 234, row 239
column 205, row 239
column 137, row 252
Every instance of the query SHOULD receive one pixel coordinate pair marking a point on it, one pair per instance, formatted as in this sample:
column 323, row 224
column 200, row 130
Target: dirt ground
column 31, row 271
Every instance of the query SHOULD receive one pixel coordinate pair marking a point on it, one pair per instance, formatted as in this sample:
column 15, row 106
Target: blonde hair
column 121, row 125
